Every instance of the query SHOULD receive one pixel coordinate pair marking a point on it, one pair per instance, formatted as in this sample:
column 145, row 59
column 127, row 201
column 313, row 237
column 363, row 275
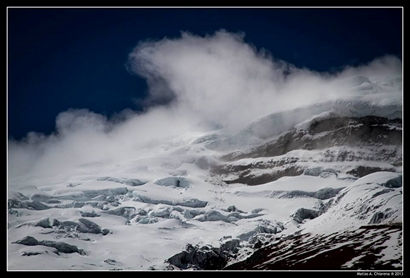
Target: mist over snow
column 196, row 85
column 223, row 80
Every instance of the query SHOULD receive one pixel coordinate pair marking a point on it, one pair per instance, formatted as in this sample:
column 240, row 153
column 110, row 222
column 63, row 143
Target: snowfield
column 142, row 213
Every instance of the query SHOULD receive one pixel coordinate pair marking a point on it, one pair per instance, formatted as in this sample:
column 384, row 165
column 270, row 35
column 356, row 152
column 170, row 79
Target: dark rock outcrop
column 362, row 171
column 394, row 182
column 329, row 132
column 246, row 177
column 205, row 257
column 378, row 139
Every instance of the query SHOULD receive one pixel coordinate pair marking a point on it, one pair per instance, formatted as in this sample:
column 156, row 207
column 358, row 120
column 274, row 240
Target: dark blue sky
column 75, row 58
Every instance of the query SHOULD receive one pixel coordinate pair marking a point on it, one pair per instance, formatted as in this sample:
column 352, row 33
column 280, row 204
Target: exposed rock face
column 369, row 138
column 330, row 132
column 362, row 171
column 394, row 182
column 247, row 178
column 205, row 257
column 356, row 249
column 359, row 249
column 379, row 216
column 198, row 258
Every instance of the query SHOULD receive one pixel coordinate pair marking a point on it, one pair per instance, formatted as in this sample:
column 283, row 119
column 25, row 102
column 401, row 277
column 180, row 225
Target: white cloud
column 200, row 83
column 222, row 80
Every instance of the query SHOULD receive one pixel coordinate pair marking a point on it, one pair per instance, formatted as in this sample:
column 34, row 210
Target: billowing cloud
column 223, row 80
column 196, row 84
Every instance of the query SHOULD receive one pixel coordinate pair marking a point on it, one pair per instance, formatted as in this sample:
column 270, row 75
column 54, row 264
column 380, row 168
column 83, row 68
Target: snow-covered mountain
column 331, row 175
column 317, row 187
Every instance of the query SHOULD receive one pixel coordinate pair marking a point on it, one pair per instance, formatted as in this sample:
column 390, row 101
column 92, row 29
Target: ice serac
column 130, row 182
column 59, row 246
column 185, row 202
column 173, row 181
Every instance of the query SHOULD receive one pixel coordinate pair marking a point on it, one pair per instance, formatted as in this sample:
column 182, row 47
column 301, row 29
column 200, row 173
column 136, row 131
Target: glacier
column 281, row 193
